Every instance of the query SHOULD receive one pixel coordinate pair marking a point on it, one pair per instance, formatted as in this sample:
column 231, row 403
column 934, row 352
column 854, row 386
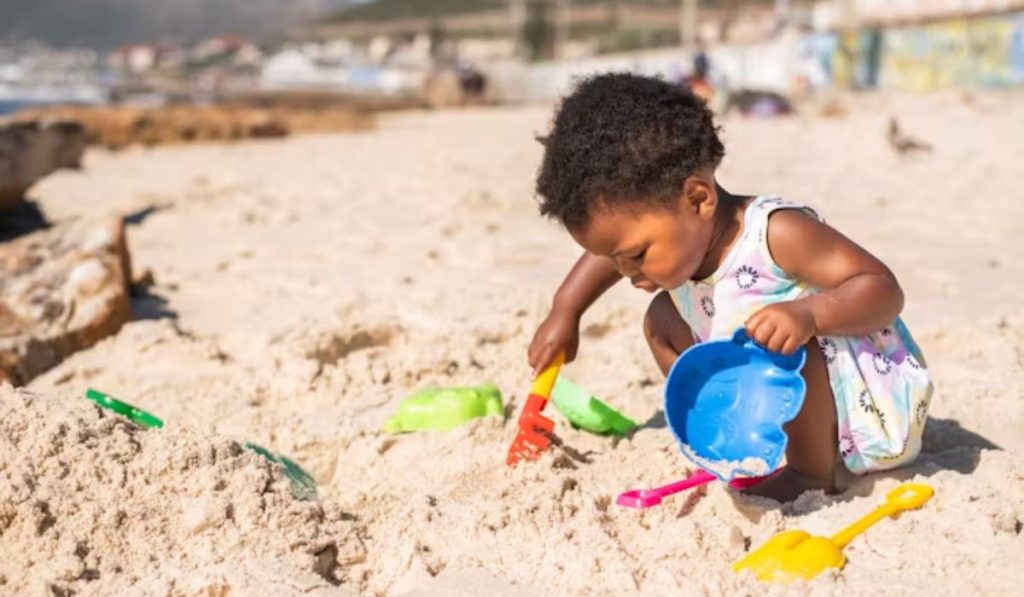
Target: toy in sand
column 726, row 402
column 533, row 435
column 443, row 409
column 646, row 498
column 585, row 411
column 303, row 486
column 794, row 555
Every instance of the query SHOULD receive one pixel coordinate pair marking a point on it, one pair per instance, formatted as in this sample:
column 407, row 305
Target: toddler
column 629, row 170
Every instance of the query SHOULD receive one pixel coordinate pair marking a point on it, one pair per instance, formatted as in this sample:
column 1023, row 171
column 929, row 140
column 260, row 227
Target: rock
column 62, row 289
column 29, row 150
column 249, row 116
column 116, row 127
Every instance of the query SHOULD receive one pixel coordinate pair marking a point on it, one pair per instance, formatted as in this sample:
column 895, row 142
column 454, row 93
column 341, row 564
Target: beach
column 302, row 287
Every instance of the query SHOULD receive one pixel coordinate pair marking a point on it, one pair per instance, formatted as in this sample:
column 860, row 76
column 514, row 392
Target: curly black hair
column 621, row 139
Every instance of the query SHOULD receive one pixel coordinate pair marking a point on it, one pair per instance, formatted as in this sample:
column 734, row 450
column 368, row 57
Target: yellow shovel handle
column 908, row 496
column 546, row 380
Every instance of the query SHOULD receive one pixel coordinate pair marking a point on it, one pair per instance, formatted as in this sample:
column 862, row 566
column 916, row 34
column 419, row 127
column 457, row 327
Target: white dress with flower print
column 880, row 382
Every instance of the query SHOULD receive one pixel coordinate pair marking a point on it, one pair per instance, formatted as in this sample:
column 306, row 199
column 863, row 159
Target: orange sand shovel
column 532, row 437
column 794, row 554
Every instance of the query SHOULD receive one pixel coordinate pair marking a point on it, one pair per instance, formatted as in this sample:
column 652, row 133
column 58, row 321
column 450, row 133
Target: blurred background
column 443, row 52
column 113, row 73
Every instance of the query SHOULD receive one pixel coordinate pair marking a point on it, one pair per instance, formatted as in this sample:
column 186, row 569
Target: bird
column 902, row 143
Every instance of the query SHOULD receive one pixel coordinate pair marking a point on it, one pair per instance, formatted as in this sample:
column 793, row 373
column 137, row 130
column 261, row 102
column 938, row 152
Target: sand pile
column 441, row 504
column 438, row 513
column 90, row 502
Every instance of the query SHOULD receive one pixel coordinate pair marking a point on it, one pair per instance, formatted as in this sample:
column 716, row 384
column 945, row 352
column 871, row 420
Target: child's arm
column 589, row 278
column 860, row 295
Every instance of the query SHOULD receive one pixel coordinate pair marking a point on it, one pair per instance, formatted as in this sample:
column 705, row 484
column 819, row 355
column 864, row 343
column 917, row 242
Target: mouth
column 643, row 284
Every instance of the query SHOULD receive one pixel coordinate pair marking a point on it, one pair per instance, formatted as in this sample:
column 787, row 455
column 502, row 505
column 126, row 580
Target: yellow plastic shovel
column 794, row 554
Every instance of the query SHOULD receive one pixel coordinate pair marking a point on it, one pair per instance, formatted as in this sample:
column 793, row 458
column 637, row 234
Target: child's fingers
column 543, row 352
column 531, row 355
column 760, row 326
column 544, row 359
column 778, row 339
column 754, row 321
column 762, row 333
column 791, row 346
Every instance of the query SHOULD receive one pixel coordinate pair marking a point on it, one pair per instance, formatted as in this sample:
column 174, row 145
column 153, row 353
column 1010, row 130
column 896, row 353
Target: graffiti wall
column 986, row 52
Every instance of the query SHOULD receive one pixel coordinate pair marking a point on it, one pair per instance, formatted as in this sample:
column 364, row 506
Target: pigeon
column 903, row 143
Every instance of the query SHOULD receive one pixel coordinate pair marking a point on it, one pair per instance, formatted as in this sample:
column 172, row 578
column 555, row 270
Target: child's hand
column 782, row 327
column 560, row 331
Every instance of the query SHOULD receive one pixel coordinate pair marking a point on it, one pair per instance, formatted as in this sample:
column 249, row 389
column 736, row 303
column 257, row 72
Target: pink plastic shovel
column 645, row 498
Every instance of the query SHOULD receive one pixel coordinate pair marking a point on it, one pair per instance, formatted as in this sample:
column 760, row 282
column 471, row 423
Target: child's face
column 656, row 247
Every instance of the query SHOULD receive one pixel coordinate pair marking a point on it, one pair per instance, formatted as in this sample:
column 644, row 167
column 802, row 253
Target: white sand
column 89, row 501
column 319, row 280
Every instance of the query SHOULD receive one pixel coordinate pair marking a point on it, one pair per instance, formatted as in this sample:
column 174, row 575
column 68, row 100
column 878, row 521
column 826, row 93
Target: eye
column 640, row 256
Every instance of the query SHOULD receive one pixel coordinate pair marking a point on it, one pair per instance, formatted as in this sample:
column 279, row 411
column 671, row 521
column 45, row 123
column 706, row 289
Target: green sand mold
column 302, row 484
column 585, row 411
column 135, row 415
column 444, row 409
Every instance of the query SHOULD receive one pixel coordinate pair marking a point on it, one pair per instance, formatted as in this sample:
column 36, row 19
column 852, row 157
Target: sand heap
column 91, row 502
column 552, row 526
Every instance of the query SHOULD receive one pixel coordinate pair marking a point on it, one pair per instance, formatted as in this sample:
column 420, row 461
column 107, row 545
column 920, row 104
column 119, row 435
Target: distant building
column 501, row 29
column 134, row 58
column 291, row 68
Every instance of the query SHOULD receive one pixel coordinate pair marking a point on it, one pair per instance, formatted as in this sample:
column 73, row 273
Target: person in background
column 699, row 81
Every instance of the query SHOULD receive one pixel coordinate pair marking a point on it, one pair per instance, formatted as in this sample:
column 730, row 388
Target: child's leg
column 812, row 455
column 666, row 332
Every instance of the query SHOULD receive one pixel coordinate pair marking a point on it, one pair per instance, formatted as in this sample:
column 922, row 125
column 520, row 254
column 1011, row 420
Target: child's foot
column 788, row 484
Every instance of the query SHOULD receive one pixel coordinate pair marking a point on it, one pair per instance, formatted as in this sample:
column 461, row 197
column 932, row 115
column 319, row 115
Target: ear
column 699, row 197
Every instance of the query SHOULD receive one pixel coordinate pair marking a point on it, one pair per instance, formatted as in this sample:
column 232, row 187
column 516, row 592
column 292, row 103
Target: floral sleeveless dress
column 880, row 382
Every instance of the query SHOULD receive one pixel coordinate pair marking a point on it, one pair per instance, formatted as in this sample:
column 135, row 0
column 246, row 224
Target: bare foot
column 788, row 484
